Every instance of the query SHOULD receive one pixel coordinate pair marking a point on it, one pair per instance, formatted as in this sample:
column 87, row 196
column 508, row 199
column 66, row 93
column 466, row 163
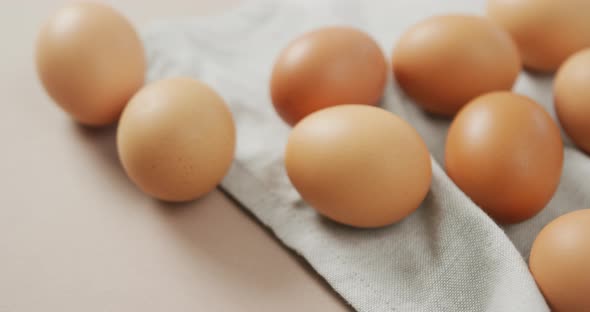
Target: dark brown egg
column 91, row 61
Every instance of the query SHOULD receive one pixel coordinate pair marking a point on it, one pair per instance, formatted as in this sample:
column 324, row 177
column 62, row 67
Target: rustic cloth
column 448, row 255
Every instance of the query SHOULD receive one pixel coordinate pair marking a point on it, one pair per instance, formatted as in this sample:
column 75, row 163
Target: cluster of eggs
column 353, row 162
column 176, row 136
column 363, row 166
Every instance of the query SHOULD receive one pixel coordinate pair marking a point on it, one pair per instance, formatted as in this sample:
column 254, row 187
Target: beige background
column 76, row 235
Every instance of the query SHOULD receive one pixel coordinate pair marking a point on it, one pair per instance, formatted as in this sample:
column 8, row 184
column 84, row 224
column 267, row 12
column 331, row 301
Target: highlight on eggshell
column 326, row 67
column 446, row 61
column 176, row 139
column 358, row 165
column 504, row 151
column 90, row 60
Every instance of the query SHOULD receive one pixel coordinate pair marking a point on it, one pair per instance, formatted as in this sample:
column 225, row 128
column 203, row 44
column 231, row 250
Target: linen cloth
column 446, row 256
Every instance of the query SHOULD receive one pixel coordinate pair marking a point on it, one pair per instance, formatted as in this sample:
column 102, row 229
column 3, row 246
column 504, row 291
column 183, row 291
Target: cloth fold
column 446, row 256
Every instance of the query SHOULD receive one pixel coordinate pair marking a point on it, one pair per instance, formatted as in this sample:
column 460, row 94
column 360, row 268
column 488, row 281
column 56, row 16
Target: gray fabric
column 448, row 255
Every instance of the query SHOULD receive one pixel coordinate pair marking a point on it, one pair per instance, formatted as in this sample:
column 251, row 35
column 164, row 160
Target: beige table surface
column 76, row 235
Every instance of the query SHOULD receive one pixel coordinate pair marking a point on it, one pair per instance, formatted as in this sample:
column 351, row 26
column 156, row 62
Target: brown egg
column 90, row 61
column 572, row 98
column 546, row 31
column 560, row 262
column 446, row 61
column 505, row 152
column 176, row 139
column 327, row 67
column 358, row 165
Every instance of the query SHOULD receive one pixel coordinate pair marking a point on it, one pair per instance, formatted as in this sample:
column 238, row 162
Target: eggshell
column 572, row 98
column 560, row 262
column 91, row 61
column 176, row 139
column 446, row 61
column 358, row 165
column 546, row 31
column 505, row 152
column 327, row 67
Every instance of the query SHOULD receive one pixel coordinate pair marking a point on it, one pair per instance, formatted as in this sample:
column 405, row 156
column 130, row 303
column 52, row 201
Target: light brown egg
column 176, row 139
column 446, row 61
column 546, row 31
column 327, row 67
column 358, row 165
column 505, row 152
column 560, row 262
column 572, row 98
column 91, row 61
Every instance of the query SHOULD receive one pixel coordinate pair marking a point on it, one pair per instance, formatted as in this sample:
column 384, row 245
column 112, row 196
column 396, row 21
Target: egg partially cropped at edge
column 560, row 262
column 571, row 92
column 90, row 61
column 546, row 32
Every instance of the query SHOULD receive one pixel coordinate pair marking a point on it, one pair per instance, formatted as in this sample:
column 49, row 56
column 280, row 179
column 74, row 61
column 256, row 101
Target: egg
column 90, row 61
column 546, row 31
column 446, row 61
column 176, row 139
column 358, row 165
column 571, row 92
column 505, row 152
column 327, row 67
column 560, row 262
